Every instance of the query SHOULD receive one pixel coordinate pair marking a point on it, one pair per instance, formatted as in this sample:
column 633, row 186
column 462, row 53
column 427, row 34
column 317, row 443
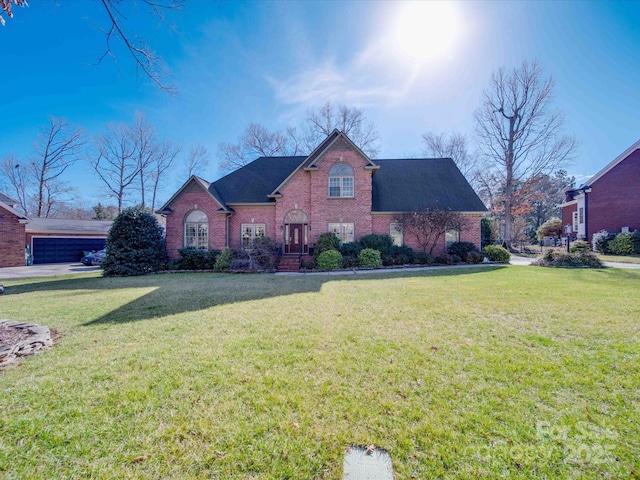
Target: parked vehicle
column 89, row 257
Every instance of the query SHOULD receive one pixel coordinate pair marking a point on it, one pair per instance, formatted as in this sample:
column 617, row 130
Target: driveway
column 46, row 270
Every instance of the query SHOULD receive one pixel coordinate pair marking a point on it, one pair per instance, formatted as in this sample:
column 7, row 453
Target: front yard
column 494, row 372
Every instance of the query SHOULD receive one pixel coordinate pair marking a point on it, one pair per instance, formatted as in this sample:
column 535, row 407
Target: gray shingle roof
column 255, row 181
column 399, row 185
column 6, row 199
column 65, row 225
column 403, row 185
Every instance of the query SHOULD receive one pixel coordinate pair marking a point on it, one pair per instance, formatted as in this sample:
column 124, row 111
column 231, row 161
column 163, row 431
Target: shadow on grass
column 173, row 294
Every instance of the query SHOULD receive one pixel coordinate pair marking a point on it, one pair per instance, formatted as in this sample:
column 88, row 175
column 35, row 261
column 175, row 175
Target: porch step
column 291, row 263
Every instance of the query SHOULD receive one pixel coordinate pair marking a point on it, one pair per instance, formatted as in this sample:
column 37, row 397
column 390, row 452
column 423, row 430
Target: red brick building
column 336, row 188
column 610, row 200
column 12, row 234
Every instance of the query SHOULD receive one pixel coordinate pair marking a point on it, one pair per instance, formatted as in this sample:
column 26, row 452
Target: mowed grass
column 498, row 372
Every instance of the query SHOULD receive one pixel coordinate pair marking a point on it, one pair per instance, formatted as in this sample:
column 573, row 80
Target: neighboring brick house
column 12, row 234
column 49, row 240
column 336, row 188
column 610, row 200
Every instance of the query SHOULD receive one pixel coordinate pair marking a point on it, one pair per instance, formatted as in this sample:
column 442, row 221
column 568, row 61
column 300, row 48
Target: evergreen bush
column 135, row 245
column 461, row 248
column 369, row 258
column 329, row 260
column 223, row 261
column 496, row 253
column 622, row 244
column 326, row 241
column 382, row 243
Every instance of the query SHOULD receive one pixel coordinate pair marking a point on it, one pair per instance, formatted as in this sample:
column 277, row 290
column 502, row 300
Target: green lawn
column 620, row 258
column 495, row 372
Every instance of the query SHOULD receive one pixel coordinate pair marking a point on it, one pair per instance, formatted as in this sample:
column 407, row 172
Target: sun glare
column 426, row 30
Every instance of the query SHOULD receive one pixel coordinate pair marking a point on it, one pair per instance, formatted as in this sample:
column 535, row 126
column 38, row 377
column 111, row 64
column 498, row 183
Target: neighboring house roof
column 9, row 208
column 8, row 200
column 403, row 185
column 255, row 181
column 67, row 226
column 615, row 162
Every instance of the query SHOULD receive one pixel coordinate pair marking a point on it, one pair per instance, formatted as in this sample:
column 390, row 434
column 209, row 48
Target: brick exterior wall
column 614, row 201
column 194, row 198
column 12, row 240
column 307, row 191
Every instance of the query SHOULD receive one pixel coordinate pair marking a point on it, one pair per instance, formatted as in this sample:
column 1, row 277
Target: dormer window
column 341, row 181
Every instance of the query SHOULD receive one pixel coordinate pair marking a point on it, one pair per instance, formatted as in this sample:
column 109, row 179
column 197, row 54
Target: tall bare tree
column 518, row 132
column 165, row 154
column 146, row 152
column 114, row 160
column 454, row 146
column 257, row 141
column 197, row 160
column 15, row 180
column 58, row 147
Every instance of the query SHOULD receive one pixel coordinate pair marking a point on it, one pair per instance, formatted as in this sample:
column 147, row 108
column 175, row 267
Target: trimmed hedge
column 326, row 241
column 329, row 260
column 369, row 258
column 496, row 253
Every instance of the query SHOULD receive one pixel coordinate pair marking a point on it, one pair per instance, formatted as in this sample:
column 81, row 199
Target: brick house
column 12, row 234
column 49, row 240
column 607, row 201
column 336, row 188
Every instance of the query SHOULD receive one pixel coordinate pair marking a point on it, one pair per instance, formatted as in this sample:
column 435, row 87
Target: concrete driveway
column 46, row 270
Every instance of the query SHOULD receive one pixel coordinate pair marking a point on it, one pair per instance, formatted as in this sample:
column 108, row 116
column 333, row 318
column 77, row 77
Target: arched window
column 341, row 181
column 196, row 230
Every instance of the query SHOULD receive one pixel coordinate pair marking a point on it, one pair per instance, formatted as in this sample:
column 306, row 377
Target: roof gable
column 335, row 139
column 193, row 184
column 612, row 164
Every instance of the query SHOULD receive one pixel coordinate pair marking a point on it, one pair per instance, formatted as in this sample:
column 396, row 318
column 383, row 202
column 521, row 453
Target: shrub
column 402, row 255
column 246, row 264
column 369, row 258
column 350, row 249
column 310, row 264
column 329, row 260
column 444, row 259
column 488, row 232
column 635, row 237
column 461, row 248
column 135, row 245
column 262, row 251
column 223, row 261
column 422, row 258
column 349, row 261
column 600, row 241
column 193, row 259
column 326, row 241
column 557, row 258
column 550, row 228
column 497, row 254
column 474, row 257
column 579, row 246
column 622, row 244
column 382, row 243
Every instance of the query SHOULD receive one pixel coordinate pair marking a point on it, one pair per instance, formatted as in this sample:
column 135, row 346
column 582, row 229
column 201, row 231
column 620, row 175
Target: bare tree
column 115, row 162
column 429, row 225
column 257, row 141
column 454, row 146
column 164, row 157
column 5, row 6
column 119, row 13
column 16, row 180
column 322, row 121
column 197, row 160
column 146, row 152
column 518, row 132
column 57, row 148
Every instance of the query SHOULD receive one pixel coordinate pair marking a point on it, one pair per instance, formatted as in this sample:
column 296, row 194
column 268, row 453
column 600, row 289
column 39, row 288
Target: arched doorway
column 296, row 232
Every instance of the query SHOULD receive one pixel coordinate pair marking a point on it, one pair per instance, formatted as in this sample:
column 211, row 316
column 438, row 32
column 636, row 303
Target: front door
column 296, row 237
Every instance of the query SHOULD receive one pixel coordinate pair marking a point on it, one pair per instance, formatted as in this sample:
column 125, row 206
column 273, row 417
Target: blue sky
column 270, row 62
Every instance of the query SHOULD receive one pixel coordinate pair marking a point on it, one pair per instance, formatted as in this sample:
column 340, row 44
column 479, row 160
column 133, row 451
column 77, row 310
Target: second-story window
column 341, row 182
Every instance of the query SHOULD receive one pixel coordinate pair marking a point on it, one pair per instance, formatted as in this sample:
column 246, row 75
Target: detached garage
column 58, row 240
